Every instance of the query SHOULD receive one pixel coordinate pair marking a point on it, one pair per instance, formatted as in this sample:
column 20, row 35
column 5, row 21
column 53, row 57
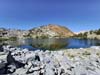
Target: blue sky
column 77, row 15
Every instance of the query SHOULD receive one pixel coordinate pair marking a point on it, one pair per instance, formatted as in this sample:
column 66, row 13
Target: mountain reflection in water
column 52, row 44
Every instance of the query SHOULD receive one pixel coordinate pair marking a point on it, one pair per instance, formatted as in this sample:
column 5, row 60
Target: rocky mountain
column 47, row 31
column 92, row 34
column 50, row 31
column 8, row 33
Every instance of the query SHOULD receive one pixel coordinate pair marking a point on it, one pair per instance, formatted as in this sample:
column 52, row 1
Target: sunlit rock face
column 7, row 33
column 17, row 61
column 50, row 31
column 45, row 31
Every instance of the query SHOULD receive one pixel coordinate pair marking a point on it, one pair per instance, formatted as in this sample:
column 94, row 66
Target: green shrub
column 3, row 39
column 13, row 38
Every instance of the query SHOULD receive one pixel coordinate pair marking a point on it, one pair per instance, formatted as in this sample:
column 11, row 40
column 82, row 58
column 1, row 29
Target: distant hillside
column 92, row 34
column 12, row 33
column 47, row 31
column 50, row 31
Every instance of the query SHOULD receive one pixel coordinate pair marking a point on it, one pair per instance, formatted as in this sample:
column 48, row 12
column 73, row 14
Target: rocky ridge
column 51, row 30
column 17, row 61
column 8, row 33
column 47, row 31
column 92, row 34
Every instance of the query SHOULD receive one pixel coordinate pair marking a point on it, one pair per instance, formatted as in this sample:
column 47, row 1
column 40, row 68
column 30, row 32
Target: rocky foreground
column 17, row 61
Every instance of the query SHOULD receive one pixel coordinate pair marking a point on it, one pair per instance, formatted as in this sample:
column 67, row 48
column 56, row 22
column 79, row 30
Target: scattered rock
column 37, row 57
column 1, row 48
column 17, row 61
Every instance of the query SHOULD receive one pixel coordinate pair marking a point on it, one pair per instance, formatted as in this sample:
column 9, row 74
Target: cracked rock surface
column 17, row 61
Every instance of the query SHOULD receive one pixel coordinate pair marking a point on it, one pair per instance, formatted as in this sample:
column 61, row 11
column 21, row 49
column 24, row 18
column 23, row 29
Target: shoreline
column 82, row 61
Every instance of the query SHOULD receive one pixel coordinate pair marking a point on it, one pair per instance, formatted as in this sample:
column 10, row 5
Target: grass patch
column 86, row 53
column 3, row 39
column 6, row 39
column 13, row 38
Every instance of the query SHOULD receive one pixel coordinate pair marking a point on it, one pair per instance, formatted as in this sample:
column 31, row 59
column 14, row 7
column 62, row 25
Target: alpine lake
column 52, row 43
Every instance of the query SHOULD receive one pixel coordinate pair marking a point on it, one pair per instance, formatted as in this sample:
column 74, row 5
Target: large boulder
column 11, row 60
column 2, row 67
column 1, row 48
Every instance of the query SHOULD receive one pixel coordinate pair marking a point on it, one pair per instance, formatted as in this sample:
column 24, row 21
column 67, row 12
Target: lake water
column 53, row 44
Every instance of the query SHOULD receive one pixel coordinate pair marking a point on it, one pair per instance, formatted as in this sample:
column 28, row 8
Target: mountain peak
column 52, row 30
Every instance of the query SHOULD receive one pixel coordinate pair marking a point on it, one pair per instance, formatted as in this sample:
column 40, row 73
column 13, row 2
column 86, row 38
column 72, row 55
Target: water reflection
column 82, row 43
column 52, row 44
column 49, row 44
